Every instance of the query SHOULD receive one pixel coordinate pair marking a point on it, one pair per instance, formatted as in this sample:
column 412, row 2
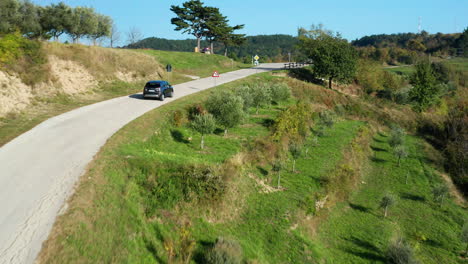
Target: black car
column 158, row 89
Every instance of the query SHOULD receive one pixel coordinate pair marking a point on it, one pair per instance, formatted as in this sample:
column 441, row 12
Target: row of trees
column 207, row 22
column 436, row 44
column 53, row 21
column 228, row 109
column 276, row 47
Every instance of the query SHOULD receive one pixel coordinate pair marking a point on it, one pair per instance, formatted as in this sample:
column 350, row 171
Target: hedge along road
column 39, row 168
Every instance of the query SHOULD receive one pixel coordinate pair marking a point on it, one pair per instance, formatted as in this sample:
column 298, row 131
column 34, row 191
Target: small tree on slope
column 203, row 124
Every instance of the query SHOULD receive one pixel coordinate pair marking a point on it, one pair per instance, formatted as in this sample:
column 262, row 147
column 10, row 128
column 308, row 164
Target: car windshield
column 153, row 85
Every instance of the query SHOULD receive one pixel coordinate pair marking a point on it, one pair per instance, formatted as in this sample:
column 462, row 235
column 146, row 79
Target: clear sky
column 353, row 19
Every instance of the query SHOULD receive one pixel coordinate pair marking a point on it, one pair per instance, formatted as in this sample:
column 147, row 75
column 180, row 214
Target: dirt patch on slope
column 72, row 77
column 14, row 94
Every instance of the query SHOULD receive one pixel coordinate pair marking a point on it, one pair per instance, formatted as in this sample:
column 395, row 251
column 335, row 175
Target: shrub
column 224, row 251
column 195, row 110
column 397, row 136
column 24, row 57
column 201, row 182
column 280, row 92
column 439, row 193
column 294, row 122
column 245, row 92
column 400, row 252
column 227, row 108
column 178, row 118
column 261, row 95
column 327, row 118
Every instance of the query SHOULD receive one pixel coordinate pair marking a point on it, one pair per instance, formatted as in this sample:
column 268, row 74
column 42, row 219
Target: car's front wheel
column 161, row 98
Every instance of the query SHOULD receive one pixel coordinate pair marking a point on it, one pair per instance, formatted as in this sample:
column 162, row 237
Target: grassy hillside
column 62, row 77
column 197, row 64
column 153, row 196
column 357, row 232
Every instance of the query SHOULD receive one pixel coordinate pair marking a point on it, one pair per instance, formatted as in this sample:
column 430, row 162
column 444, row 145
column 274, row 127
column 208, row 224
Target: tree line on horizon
column 52, row 21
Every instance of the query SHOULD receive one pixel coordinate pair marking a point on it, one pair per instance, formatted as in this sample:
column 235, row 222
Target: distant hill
column 268, row 47
column 425, row 42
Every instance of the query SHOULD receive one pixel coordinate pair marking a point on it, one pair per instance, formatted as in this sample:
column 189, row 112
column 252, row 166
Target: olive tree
column 103, row 28
column 261, row 95
column 57, row 18
column 397, row 136
column 296, row 151
column 400, row 152
column 227, row 108
column 280, row 92
column 245, row 92
column 203, row 124
column 277, row 167
column 439, row 193
column 387, row 201
column 83, row 22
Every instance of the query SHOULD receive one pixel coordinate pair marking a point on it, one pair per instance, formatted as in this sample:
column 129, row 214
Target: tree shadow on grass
column 413, row 197
column 262, row 171
column 218, row 131
column 360, row 208
column 378, row 140
column 378, row 149
column 267, row 122
column 382, row 134
column 178, row 136
column 199, row 254
column 370, row 251
column 152, row 249
column 378, row 160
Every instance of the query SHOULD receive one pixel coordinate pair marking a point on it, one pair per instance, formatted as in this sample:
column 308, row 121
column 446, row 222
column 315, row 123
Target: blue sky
column 353, row 19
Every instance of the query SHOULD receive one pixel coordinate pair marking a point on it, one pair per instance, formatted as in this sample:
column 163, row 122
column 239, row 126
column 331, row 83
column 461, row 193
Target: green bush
column 400, row 252
column 24, row 57
column 245, row 92
column 224, row 251
column 201, row 182
column 280, row 92
column 294, row 122
column 227, row 108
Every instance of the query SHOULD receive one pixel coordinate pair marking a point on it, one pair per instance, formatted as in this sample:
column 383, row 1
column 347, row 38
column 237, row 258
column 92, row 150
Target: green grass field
column 197, row 64
column 402, row 70
column 357, row 232
column 459, row 63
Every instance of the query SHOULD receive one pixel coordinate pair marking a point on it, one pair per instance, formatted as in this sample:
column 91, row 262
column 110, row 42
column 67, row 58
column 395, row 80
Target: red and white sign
column 215, row 74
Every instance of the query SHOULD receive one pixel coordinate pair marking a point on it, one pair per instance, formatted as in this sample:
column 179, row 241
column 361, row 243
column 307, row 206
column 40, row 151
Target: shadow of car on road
column 138, row 96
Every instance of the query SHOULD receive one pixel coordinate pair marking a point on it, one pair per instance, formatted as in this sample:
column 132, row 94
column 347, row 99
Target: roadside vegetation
column 270, row 190
column 108, row 73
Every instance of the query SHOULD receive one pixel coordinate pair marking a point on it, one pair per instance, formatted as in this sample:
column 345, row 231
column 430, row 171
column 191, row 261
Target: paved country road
column 39, row 169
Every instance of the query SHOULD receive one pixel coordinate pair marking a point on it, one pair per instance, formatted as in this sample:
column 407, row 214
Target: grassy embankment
column 131, row 206
column 154, row 217
column 195, row 64
column 103, row 64
column 460, row 64
column 357, row 232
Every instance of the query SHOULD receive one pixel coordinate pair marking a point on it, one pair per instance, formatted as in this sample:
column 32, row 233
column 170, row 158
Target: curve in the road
column 39, row 168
